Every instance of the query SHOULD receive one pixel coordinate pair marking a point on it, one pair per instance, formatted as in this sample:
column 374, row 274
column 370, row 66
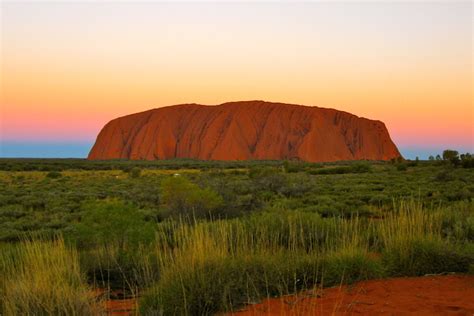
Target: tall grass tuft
column 207, row 267
column 43, row 278
column 413, row 243
column 204, row 267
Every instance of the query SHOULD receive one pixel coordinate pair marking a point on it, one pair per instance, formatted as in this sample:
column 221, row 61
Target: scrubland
column 198, row 238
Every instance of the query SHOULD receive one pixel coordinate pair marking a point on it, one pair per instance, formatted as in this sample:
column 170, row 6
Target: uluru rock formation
column 243, row 131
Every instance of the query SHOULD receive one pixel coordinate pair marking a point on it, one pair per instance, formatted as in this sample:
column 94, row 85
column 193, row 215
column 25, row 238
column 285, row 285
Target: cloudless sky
column 68, row 68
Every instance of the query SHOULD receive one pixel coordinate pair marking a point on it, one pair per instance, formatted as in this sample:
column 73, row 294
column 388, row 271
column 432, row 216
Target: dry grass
column 207, row 267
column 44, row 278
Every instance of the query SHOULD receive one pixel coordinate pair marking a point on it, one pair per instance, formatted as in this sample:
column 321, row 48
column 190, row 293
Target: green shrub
column 355, row 167
column 332, row 170
column 350, row 265
column 135, row 172
column 111, row 222
column 458, row 222
column 54, row 175
column 402, row 167
column 113, row 236
column 444, row 176
column 380, row 199
column 269, row 180
column 182, row 198
column 361, row 167
column 471, row 269
column 292, row 167
column 426, row 256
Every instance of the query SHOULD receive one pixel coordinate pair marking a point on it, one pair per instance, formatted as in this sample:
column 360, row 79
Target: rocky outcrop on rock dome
column 246, row 130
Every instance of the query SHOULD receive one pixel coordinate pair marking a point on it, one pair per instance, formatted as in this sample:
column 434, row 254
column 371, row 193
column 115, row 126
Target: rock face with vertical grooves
column 244, row 130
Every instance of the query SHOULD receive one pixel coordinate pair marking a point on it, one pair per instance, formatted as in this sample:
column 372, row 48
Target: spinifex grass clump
column 458, row 222
column 413, row 243
column 44, row 278
column 348, row 265
column 213, row 266
column 206, row 267
column 225, row 284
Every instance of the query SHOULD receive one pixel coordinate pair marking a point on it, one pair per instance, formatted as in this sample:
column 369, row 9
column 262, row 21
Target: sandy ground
column 121, row 307
column 429, row 295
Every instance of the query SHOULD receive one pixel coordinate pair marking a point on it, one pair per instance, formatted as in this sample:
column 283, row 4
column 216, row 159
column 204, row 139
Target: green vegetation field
column 197, row 238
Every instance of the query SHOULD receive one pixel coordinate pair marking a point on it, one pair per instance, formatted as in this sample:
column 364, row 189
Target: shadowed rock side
column 244, row 130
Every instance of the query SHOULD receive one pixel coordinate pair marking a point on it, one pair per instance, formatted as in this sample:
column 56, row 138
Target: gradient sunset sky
column 68, row 68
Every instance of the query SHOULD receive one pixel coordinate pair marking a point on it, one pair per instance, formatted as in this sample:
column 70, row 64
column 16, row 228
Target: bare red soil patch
column 117, row 303
column 429, row 295
column 121, row 307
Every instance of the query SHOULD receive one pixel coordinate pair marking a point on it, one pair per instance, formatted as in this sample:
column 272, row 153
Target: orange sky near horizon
column 67, row 69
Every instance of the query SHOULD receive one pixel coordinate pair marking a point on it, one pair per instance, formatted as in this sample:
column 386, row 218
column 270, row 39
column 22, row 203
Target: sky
column 67, row 68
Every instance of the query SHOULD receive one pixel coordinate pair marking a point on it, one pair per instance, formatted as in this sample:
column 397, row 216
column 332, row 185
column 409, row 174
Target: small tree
column 467, row 160
column 451, row 156
column 431, row 158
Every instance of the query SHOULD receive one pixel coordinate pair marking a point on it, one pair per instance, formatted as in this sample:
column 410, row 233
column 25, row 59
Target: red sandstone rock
column 244, row 130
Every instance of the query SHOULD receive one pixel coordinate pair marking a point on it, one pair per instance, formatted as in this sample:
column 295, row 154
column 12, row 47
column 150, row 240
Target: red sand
column 429, row 295
column 121, row 307
column 114, row 305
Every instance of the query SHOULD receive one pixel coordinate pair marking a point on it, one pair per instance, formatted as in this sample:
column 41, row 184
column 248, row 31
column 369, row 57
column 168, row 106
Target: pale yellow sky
column 69, row 68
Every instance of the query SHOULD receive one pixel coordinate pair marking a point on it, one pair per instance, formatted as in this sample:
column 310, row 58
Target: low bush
column 350, row 265
column 444, row 176
column 356, row 167
column 425, row 256
column 135, row 172
column 111, row 222
column 53, row 175
column 182, row 198
column 402, row 166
